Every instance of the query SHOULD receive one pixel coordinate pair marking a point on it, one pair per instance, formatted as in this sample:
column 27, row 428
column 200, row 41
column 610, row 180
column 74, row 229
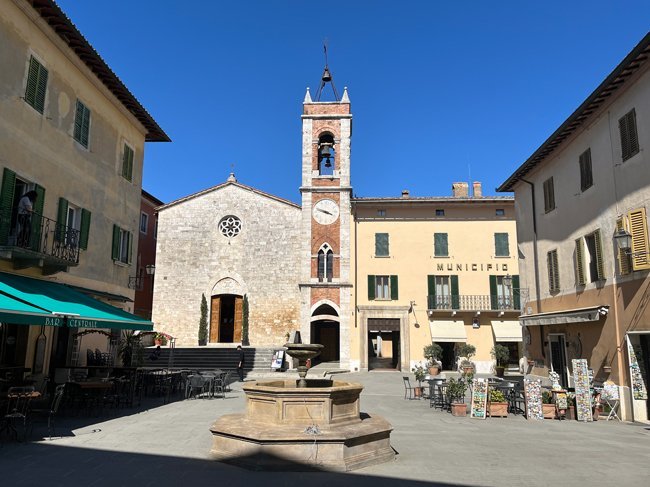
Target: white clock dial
column 326, row 212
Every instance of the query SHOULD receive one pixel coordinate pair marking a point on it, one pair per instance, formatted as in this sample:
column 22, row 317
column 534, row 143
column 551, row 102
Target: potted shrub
column 497, row 405
column 548, row 407
column 466, row 352
column 501, row 354
column 160, row 339
column 130, row 350
column 571, row 411
column 456, row 396
column 420, row 373
column 433, row 353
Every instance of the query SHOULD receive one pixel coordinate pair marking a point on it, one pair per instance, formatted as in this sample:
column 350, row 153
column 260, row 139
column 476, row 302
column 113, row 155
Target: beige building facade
column 575, row 197
column 73, row 134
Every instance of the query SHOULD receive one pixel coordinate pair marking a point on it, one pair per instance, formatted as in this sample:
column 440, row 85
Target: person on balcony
column 25, row 210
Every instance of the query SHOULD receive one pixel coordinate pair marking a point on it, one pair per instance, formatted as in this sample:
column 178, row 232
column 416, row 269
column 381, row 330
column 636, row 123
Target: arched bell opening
column 326, row 155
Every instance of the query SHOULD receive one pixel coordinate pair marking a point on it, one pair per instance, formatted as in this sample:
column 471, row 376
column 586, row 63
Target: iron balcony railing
column 40, row 235
column 476, row 302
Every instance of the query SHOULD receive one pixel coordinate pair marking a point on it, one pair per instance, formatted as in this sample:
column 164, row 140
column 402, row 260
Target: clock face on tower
column 326, row 211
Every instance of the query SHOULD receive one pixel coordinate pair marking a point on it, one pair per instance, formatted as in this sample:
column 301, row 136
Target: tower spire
column 326, row 78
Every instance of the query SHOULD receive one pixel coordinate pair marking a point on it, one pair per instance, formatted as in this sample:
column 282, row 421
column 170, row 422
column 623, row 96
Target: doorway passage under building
column 226, row 318
column 326, row 332
column 383, row 343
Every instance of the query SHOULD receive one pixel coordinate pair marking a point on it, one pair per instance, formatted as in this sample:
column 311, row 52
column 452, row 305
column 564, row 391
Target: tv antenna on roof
column 326, row 78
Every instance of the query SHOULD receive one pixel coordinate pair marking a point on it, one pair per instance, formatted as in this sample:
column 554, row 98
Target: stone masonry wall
column 193, row 257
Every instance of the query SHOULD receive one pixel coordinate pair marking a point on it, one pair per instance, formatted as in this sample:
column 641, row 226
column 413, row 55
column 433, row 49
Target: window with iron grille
column 36, row 85
column 381, row 245
column 586, row 177
column 553, row 271
column 82, row 124
column 501, row 247
column 629, row 135
column 440, row 245
column 549, row 195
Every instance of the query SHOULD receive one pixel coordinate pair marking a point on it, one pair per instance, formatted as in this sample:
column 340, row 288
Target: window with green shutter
column 381, row 245
column 122, row 248
column 580, row 265
column 586, row 177
column 36, row 85
column 455, row 297
column 431, row 292
column 440, row 245
column 127, row 163
column 553, row 271
column 629, row 135
column 85, row 229
column 394, row 294
column 82, row 124
column 61, row 220
column 371, row 288
column 549, row 195
column 6, row 204
column 501, row 246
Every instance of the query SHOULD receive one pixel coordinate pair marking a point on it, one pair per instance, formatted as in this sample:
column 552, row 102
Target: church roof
column 232, row 181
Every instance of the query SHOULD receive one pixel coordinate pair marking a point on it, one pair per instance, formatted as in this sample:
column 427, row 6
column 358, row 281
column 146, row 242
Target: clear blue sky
column 439, row 90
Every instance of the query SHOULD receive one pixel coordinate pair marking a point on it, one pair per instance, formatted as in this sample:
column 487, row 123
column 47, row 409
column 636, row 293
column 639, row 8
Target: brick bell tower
column 325, row 285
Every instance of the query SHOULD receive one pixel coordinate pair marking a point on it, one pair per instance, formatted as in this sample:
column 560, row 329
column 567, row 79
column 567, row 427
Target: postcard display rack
column 479, row 398
column 583, row 392
column 533, row 395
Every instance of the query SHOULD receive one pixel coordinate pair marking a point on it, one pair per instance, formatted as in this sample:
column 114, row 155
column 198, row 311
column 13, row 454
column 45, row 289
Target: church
column 372, row 279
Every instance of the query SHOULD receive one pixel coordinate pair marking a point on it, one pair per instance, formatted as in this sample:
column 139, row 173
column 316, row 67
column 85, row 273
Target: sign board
column 583, row 392
column 610, row 391
column 278, row 360
column 479, row 398
column 561, row 401
column 533, row 395
column 639, row 390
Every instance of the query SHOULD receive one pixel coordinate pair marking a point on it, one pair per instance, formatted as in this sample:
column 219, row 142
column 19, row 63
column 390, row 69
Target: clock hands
column 325, row 211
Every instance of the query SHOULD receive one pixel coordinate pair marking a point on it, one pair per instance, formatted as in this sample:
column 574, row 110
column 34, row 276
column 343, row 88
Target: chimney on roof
column 460, row 190
column 477, row 191
column 405, row 193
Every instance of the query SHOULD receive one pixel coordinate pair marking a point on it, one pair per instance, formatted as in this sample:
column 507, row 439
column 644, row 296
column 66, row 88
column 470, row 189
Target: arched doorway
column 226, row 318
column 325, row 330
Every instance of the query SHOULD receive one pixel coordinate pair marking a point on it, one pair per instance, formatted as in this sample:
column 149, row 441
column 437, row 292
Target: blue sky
column 440, row 91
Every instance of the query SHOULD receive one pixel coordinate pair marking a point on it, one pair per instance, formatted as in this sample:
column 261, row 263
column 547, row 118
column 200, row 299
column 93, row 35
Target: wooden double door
column 226, row 318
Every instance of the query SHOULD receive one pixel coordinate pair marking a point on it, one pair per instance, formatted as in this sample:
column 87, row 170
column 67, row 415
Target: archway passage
column 325, row 330
column 226, row 318
column 383, row 343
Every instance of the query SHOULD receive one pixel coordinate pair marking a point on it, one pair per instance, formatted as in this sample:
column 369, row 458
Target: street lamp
column 151, row 269
column 623, row 240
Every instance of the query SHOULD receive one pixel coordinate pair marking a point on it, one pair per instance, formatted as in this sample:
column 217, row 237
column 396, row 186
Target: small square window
column 500, row 212
column 381, row 212
column 440, row 212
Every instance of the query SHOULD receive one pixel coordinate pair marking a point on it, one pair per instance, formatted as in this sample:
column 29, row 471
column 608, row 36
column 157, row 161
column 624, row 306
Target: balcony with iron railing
column 37, row 241
column 477, row 302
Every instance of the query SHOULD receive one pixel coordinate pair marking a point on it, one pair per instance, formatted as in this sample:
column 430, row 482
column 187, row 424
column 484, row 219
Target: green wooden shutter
column 37, row 218
column 41, row 87
column 85, row 127
column 440, row 245
column 381, row 245
column 32, row 81
column 371, row 288
column 501, row 245
column 431, row 297
column 61, row 220
column 130, row 247
column 580, row 268
column 6, row 203
column 640, row 246
column 85, row 229
column 516, row 292
column 494, row 301
column 115, row 250
column 623, row 257
column 127, row 163
column 78, row 121
column 455, row 297
column 600, row 265
column 394, row 294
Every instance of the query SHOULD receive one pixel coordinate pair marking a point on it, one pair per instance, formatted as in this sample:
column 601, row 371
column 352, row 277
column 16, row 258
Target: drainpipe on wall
column 536, row 262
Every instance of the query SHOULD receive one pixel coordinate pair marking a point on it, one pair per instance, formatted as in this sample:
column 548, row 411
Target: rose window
column 230, row 226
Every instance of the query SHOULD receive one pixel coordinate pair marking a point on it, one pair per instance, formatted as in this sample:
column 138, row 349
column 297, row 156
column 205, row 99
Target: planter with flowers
column 160, row 339
column 420, row 373
column 498, row 405
column 548, row 407
column 433, row 353
column 456, row 396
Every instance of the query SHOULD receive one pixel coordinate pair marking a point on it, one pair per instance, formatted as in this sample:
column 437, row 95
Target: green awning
column 51, row 303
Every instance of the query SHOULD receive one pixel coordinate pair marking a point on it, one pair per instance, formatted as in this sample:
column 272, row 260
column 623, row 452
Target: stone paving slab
column 169, row 445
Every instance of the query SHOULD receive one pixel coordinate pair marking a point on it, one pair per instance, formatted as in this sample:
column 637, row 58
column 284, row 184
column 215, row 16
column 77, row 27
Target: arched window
column 325, row 263
column 326, row 155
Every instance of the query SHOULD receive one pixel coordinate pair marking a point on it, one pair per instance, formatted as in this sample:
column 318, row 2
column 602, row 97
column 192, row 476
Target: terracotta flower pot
column 417, row 390
column 157, row 342
column 434, row 370
column 500, row 371
column 498, row 409
column 458, row 409
column 548, row 410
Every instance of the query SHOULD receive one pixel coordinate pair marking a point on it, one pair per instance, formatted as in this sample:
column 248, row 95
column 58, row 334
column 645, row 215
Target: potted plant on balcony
column 466, row 352
column 501, row 354
column 130, row 349
column 498, row 405
column 432, row 353
column 160, row 339
column 456, row 396
column 548, row 407
column 420, row 373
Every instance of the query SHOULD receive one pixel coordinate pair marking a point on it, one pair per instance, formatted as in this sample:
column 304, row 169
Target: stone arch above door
column 230, row 283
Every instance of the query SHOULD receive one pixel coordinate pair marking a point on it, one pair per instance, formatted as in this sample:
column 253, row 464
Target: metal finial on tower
column 326, row 78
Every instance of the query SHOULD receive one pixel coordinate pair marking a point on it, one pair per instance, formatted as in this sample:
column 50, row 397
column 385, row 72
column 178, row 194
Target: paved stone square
column 169, row 444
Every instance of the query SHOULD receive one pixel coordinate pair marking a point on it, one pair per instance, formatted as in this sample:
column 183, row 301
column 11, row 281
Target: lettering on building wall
column 53, row 322
column 83, row 323
column 472, row 267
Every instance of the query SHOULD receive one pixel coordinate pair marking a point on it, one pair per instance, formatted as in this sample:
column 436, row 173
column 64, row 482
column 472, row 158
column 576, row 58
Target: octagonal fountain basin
column 286, row 427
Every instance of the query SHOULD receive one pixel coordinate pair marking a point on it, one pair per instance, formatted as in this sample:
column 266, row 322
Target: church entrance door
column 326, row 332
column 226, row 318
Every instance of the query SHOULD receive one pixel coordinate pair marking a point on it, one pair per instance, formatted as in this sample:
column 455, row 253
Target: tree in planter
column 433, row 353
column 130, row 349
column 203, row 322
column 501, row 354
column 420, row 373
column 466, row 351
column 244, row 325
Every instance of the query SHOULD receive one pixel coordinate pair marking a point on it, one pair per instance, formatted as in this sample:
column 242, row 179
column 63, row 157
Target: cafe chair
column 195, row 386
column 50, row 412
column 408, row 389
column 17, row 410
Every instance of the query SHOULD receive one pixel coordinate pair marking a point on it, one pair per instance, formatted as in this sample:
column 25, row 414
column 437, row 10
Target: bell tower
column 325, row 285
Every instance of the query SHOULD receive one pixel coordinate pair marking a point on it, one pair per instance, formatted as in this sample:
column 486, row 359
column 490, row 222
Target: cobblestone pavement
column 168, row 444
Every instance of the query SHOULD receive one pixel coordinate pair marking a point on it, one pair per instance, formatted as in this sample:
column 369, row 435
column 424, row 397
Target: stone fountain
column 302, row 424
